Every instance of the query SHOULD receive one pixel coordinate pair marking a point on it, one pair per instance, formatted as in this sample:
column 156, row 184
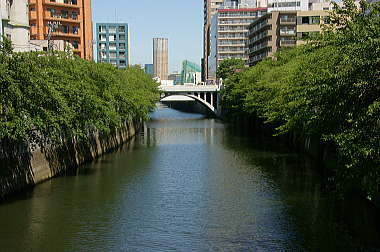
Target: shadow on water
column 352, row 224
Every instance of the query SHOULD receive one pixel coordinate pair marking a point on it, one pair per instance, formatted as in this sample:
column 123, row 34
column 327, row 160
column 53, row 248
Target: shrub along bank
column 328, row 88
column 46, row 98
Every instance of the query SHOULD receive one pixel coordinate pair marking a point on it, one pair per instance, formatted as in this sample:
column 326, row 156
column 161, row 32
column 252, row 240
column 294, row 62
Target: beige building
column 160, row 58
column 281, row 29
column 228, row 35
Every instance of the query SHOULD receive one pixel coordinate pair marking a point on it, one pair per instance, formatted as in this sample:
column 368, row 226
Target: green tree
column 229, row 66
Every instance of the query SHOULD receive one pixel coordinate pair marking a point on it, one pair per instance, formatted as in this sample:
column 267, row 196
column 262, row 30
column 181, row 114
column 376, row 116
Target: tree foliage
column 328, row 87
column 48, row 97
column 228, row 67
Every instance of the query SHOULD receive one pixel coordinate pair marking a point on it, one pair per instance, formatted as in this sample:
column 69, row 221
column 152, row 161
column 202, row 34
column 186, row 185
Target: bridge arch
column 204, row 103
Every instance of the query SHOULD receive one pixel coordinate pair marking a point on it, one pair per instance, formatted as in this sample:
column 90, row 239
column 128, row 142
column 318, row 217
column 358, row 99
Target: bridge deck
column 183, row 88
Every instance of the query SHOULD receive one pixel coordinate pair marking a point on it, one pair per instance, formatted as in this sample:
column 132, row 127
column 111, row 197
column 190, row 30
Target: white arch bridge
column 208, row 96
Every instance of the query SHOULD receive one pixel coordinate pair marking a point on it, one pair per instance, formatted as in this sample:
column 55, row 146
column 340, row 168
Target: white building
column 15, row 23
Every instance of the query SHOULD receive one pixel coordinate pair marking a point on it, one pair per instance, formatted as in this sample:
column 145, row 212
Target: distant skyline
column 179, row 21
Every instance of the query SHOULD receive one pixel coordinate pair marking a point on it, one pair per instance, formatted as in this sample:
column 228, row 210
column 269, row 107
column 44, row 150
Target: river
column 186, row 183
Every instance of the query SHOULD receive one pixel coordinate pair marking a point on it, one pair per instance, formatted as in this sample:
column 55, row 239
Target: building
column 281, row 29
column 149, row 69
column 209, row 9
column 15, row 23
column 113, row 44
column 190, row 72
column 176, row 78
column 67, row 20
column 43, row 45
column 288, row 5
column 228, row 35
column 160, row 58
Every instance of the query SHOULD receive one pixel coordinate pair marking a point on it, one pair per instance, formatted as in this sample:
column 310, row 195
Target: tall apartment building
column 15, row 23
column 281, row 29
column 209, row 10
column 113, row 44
column 228, row 35
column 69, row 20
column 160, row 58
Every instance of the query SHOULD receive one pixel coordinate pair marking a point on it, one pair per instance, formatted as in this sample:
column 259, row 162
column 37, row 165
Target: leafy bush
column 46, row 97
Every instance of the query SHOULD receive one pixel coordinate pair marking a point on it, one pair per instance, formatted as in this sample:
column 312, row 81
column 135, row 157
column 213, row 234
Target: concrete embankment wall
column 21, row 167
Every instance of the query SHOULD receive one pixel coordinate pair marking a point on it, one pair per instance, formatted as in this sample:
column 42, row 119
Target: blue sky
column 180, row 21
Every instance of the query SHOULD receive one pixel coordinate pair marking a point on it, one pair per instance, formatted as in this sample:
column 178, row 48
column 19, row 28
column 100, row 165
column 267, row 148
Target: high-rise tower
column 160, row 58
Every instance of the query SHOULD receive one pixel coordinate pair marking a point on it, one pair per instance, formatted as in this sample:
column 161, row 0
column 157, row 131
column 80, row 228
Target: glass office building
column 113, row 44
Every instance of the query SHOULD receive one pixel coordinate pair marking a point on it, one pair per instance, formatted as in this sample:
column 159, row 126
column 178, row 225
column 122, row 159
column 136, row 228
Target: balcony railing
column 288, row 20
column 288, row 42
column 66, row 3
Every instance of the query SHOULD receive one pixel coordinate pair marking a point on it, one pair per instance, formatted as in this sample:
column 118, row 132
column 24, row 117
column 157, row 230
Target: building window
column 122, row 37
column 74, row 15
column 75, row 44
column 112, row 46
column 121, row 29
column 65, row 28
column 315, row 20
column 112, row 29
column 102, row 55
column 102, row 37
column 122, row 46
column 53, row 12
column 305, row 20
column 75, row 29
column 102, row 46
column 102, row 28
column 112, row 38
column 64, row 14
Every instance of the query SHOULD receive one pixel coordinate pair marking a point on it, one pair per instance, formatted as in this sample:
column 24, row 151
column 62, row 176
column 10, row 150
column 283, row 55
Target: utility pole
column 53, row 26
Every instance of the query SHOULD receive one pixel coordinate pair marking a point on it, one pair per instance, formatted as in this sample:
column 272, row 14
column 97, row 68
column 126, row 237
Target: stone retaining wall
column 21, row 168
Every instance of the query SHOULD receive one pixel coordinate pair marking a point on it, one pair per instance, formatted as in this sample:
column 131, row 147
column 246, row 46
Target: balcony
column 287, row 32
column 61, row 19
column 290, row 42
column 287, row 21
column 69, row 3
column 63, row 34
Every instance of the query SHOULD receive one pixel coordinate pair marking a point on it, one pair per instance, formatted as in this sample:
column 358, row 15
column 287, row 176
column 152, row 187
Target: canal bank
column 186, row 183
column 23, row 166
column 360, row 214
